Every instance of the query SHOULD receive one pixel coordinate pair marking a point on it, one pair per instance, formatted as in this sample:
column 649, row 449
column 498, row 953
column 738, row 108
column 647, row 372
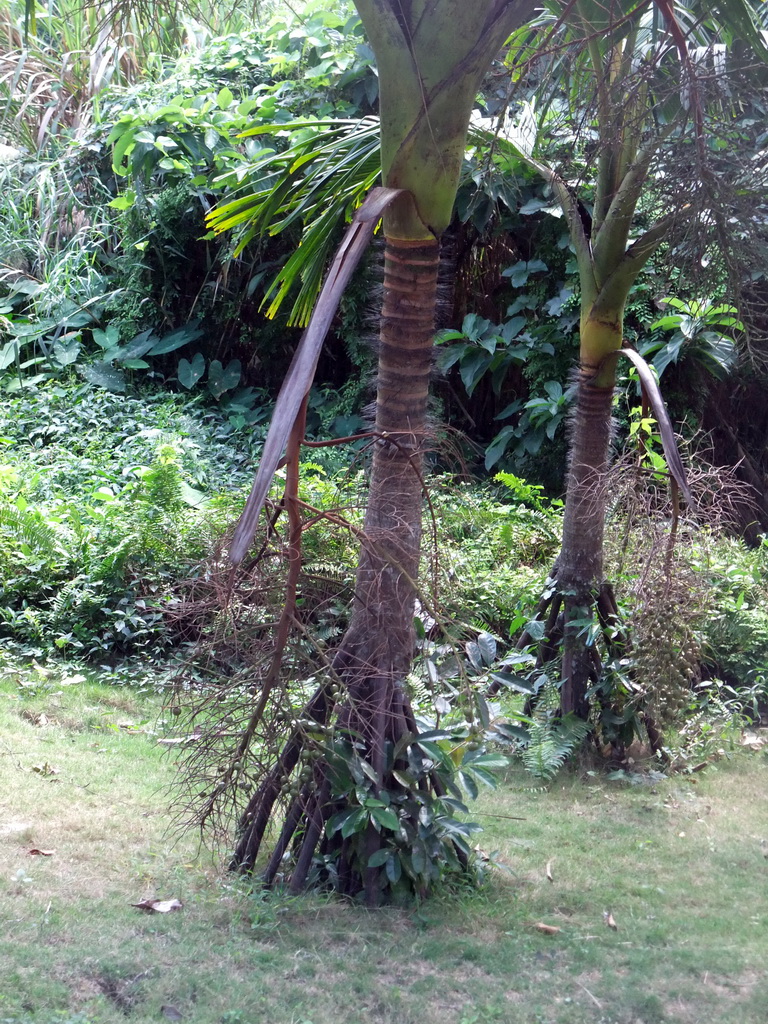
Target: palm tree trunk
column 381, row 632
column 378, row 647
column 375, row 655
column 431, row 59
column 580, row 565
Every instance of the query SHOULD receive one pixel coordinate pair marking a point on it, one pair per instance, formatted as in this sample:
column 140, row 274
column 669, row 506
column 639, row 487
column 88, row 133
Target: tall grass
column 55, row 240
column 54, row 67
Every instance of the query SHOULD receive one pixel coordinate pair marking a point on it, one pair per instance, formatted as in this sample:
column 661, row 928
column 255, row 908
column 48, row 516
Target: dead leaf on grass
column 176, row 740
column 158, row 906
column 547, row 929
column 549, row 871
column 35, row 717
column 608, row 918
column 45, row 769
column 72, row 680
column 41, row 853
column 754, row 740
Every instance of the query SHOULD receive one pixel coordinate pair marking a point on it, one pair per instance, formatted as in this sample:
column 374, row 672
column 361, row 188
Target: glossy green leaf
column 468, row 784
column 419, row 859
column 108, row 338
column 124, row 201
column 176, row 339
column 67, row 354
column 103, row 375
column 394, row 869
column 355, row 822
column 379, row 858
column 514, row 733
column 513, row 682
column 487, row 646
column 8, row 354
column 135, row 348
column 386, row 818
column 490, row 761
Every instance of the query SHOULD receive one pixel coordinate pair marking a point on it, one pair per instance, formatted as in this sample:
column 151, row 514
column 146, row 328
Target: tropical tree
column 646, row 73
column 638, row 76
column 431, row 59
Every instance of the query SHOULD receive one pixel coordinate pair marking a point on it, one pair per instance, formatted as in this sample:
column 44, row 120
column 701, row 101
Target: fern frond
column 112, row 564
column 76, row 595
column 552, row 739
column 420, row 691
column 28, row 529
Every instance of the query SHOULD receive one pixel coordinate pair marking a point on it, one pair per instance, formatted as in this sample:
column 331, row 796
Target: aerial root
column 550, row 611
column 301, row 835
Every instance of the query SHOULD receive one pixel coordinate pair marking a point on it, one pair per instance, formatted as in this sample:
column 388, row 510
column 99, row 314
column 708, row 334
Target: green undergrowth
column 107, row 503
column 110, row 504
column 679, row 864
column 111, row 508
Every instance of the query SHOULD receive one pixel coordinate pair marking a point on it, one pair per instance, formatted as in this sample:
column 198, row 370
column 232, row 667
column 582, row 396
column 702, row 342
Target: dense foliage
column 108, row 265
column 108, row 505
column 139, row 356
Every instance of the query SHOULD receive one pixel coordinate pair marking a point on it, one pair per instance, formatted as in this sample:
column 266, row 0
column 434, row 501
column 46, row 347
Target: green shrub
column 734, row 636
column 493, row 549
column 104, row 509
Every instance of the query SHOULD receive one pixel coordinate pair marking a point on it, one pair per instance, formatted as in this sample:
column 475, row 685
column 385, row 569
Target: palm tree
column 431, row 58
column 646, row 99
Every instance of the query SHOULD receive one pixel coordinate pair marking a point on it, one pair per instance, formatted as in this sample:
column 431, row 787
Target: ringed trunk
column 376, row 653
column 379, row 645
column 580, row 565
column 378, row 649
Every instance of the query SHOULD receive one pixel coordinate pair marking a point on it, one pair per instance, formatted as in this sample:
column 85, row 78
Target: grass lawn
column 681, row 865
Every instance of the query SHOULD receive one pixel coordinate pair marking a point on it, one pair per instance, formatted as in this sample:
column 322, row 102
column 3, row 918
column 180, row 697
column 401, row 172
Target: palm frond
column 317, row 182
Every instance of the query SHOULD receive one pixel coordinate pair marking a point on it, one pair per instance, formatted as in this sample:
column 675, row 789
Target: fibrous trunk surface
column 376, row 653
column 379, row 644
column 580, row 565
